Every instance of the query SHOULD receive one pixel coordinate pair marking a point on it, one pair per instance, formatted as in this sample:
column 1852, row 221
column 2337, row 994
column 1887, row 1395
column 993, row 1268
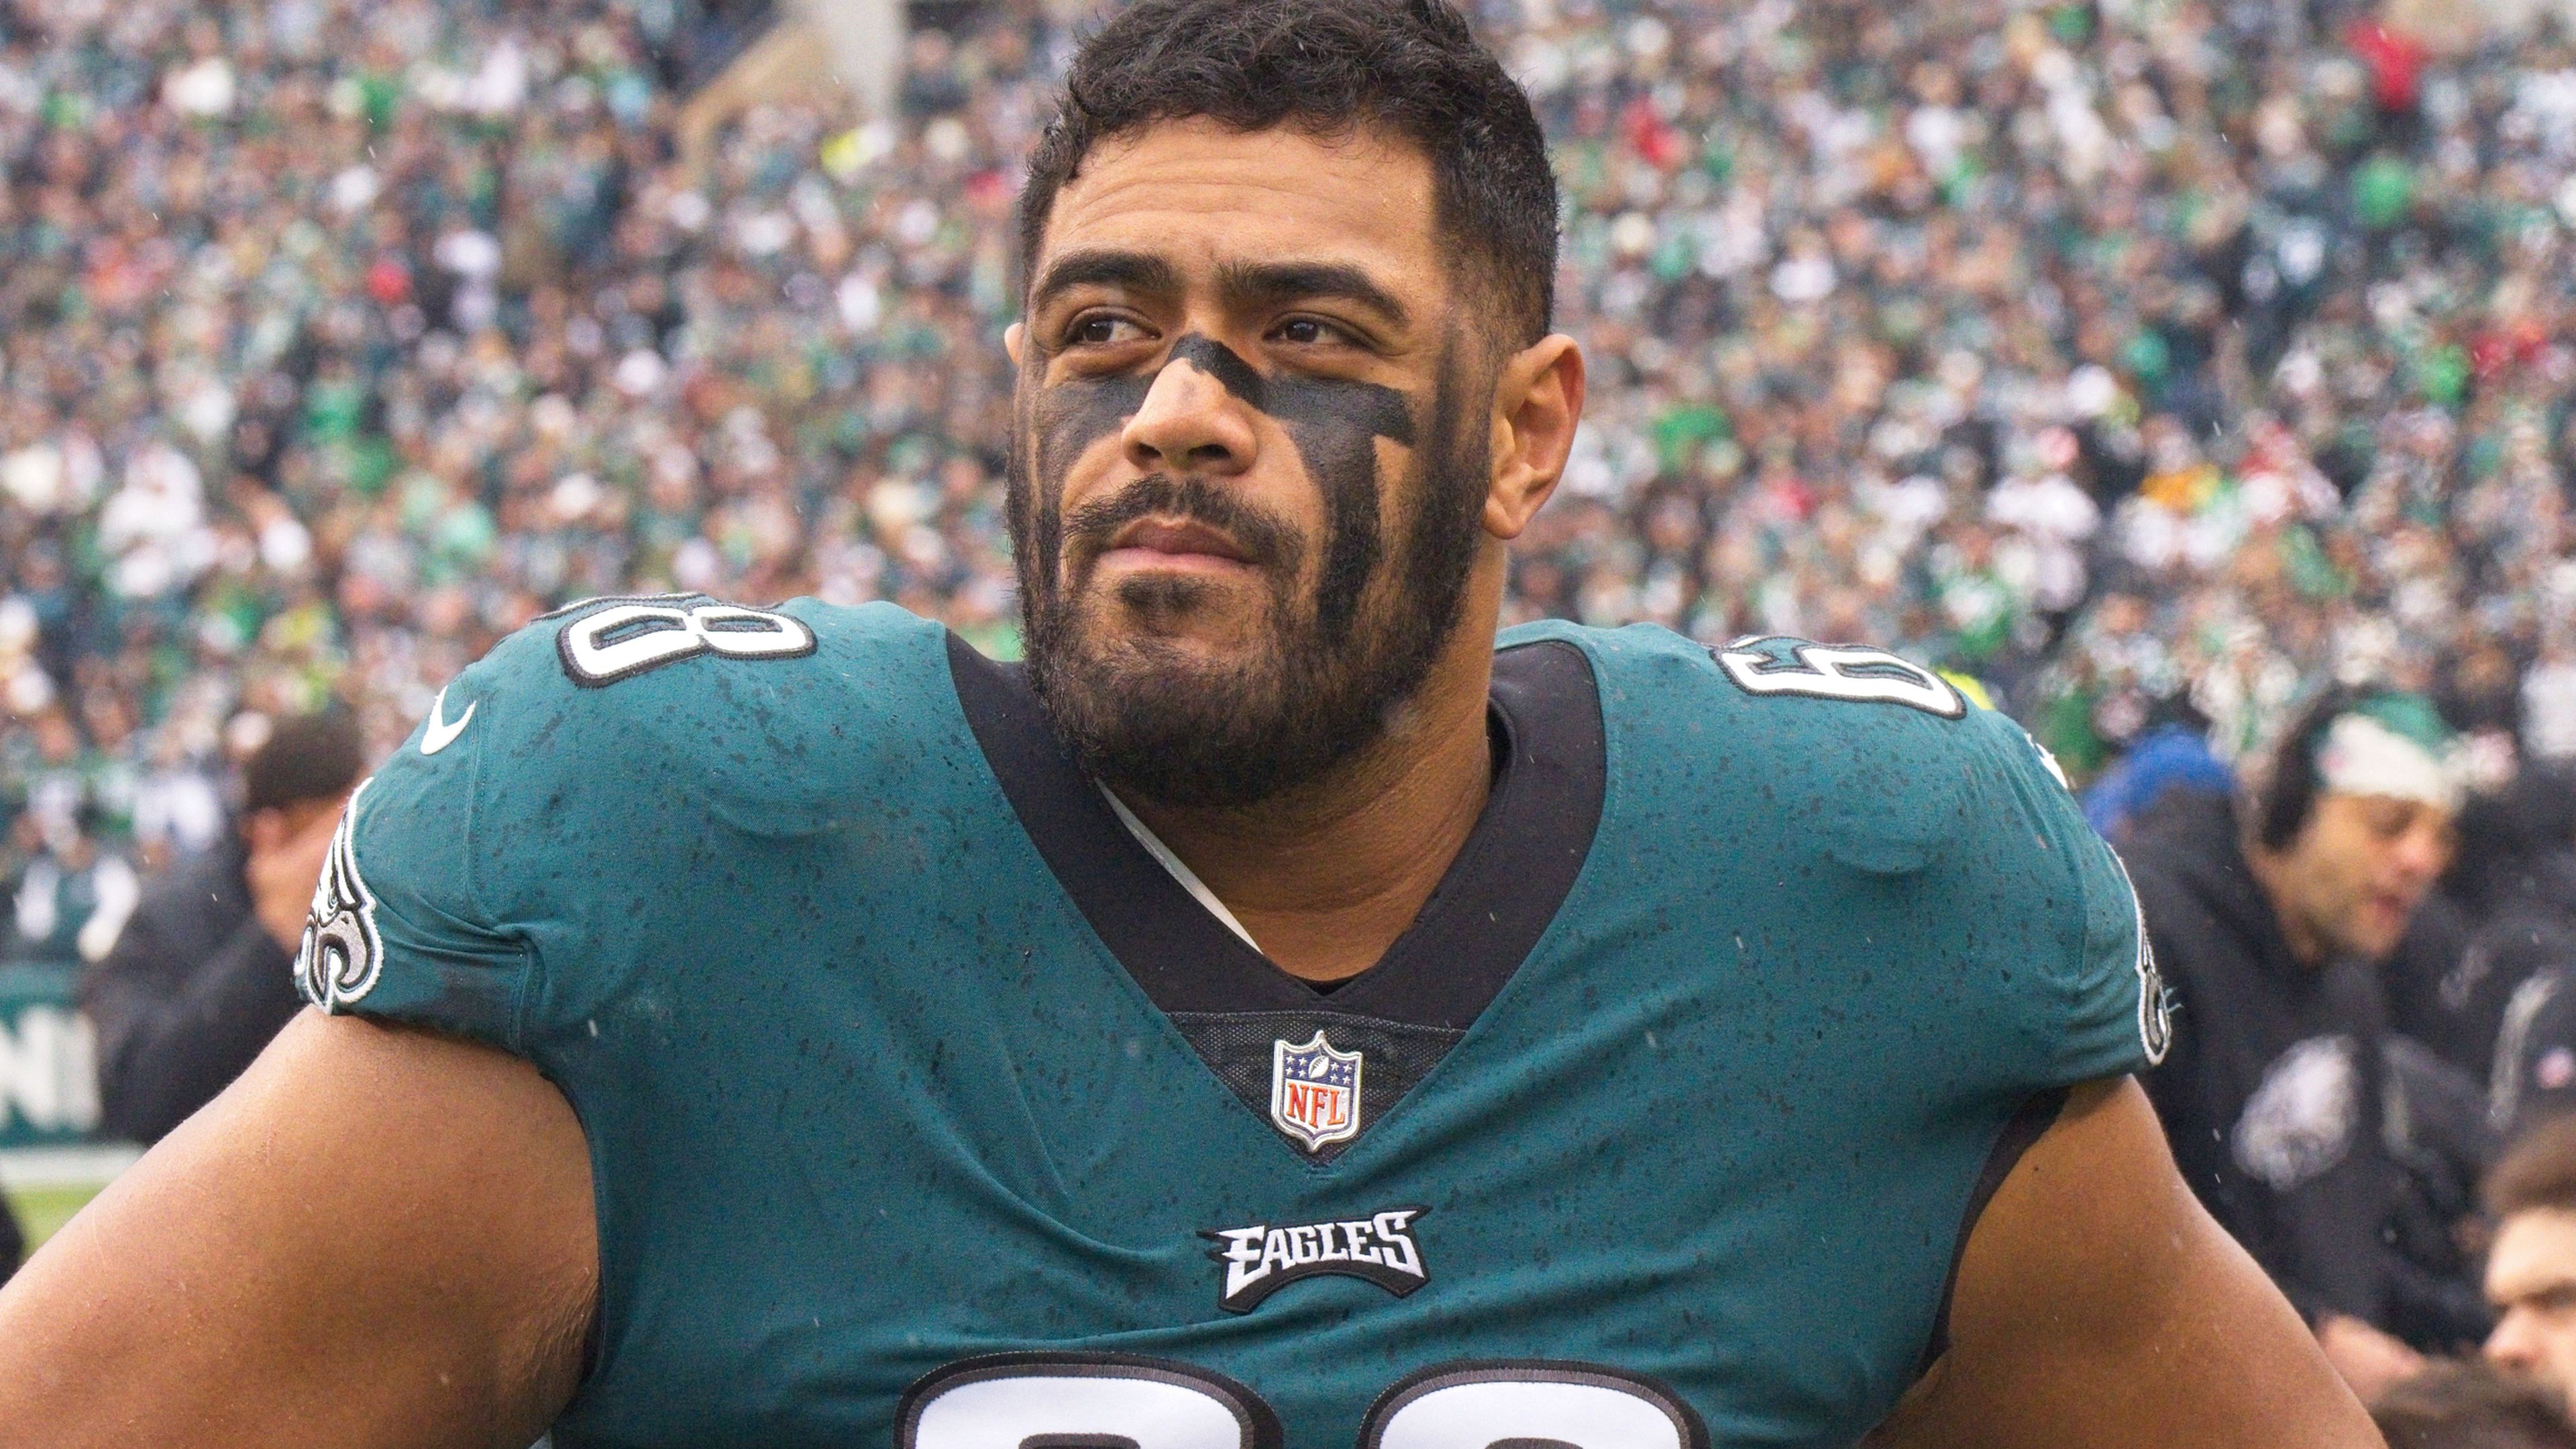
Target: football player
column 1280, row 1015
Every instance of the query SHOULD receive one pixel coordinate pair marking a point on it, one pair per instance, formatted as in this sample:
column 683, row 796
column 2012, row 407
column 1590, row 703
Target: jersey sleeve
column 2102, row 1009
column 525, row 867
column 403, row 925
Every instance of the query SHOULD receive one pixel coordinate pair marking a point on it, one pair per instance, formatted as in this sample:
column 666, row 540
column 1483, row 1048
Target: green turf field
column 46, row 1185
column 41, row 1210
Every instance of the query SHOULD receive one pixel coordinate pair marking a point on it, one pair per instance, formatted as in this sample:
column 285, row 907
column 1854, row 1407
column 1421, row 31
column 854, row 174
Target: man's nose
column 2514, row 1345
column 2423, row 853
column 1189, row 423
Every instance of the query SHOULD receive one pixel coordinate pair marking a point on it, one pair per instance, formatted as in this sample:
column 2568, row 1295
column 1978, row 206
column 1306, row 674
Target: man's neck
column 1327, row 878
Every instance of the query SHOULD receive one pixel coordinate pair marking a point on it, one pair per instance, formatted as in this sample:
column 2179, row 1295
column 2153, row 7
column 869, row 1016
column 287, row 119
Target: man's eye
column 1102, row 331
column 1308, row 332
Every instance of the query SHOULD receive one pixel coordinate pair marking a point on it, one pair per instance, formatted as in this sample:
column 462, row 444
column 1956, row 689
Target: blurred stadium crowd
column 2150, row 361
column 2139, row 358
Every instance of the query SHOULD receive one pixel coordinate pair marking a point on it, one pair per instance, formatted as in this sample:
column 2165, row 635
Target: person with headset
column 2333, row 1149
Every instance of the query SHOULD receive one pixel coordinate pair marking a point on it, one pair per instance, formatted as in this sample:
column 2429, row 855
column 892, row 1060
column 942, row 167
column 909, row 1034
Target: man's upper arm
column 376, row 1237
column 2098, row 1307
column 384, row 1233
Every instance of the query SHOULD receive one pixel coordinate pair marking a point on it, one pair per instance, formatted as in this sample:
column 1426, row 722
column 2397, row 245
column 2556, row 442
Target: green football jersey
column 927, row 1109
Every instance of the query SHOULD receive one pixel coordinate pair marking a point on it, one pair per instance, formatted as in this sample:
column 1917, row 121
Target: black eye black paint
column 1334, row 424
column 1301, row 401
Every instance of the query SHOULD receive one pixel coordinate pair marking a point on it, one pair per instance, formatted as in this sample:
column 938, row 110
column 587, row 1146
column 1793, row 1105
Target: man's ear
column 1538, row 399
column 1014, row 338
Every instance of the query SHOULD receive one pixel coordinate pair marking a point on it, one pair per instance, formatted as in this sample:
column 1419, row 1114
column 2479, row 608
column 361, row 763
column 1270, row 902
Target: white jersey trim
column 1179, row 868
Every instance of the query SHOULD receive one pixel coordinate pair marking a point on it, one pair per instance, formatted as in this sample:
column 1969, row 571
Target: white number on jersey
column 1016, row 1400
column 1476, row 1406
column 625, row 640
column 1841, row 671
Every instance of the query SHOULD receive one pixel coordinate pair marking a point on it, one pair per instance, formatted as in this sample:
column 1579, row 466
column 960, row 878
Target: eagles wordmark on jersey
column 925, row 1106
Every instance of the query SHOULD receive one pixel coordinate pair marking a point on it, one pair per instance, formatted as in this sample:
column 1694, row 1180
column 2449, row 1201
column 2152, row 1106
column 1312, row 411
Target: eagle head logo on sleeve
column 341, row 954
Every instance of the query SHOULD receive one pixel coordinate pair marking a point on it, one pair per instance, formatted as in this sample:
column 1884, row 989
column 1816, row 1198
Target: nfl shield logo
column 1315, row 1092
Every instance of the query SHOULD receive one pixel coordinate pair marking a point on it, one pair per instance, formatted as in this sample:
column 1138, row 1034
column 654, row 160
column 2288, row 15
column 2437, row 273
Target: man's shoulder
column 567, row 785
column 1849, row 797
column 1809, row 694
column 707, row 679
column 651, row 654
column 1856, row 749
column 634, row 716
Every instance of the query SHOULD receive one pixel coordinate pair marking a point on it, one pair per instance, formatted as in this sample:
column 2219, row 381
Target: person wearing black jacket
column 2503, row 916
column 202, row 975
column 2337, row 1152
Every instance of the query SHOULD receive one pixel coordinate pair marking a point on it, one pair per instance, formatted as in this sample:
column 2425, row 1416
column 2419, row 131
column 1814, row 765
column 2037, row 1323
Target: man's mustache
column 1091, row 530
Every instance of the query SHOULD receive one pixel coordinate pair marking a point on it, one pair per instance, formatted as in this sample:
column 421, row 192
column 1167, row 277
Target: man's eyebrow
column 1136, row 271
column 2558, row 1284
column 1247, row 285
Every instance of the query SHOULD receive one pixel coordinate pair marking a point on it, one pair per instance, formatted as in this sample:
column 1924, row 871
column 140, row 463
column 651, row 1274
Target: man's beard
column 1328, row 677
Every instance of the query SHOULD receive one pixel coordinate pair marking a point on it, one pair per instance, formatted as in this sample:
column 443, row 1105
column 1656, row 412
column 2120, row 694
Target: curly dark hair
column 1411, row 68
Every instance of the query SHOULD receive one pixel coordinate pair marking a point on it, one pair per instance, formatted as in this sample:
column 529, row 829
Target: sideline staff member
column 203, row 974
